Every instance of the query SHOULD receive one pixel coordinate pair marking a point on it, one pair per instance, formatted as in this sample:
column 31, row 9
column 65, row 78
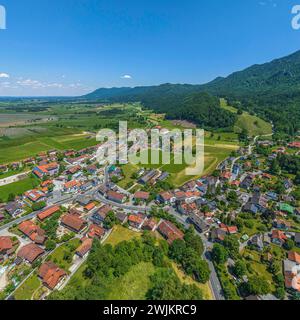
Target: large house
column 30, row 252
column 169, row 231
column 32, row 231
column 136, row 220
column 48, row 212
column 51, row 275
column 13, row 209
column 166, row 197
column 99, row 216
column 198, row 222
column 116, row 196
column 141, row 196
column 73, row 222
column 85, row 247
column 6, row 245
column 49, row 169
column 35, row 195
column 291, row 268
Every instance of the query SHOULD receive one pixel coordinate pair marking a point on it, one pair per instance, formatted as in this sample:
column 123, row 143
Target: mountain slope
column 270, row 90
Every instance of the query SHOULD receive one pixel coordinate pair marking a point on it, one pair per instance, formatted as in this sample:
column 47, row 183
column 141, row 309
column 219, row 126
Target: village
column 246, row 213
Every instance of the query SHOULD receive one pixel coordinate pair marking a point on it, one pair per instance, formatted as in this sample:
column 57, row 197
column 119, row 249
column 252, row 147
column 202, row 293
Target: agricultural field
column 253, row 124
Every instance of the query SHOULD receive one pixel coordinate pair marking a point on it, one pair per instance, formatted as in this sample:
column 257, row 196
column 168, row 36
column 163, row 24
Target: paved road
column 30, row 216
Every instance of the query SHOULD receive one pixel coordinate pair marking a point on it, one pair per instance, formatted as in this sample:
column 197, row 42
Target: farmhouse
column 30, row 252
column 115, row 196
column 32, row 231
column 51, row 275
column 85, row 247
column 73, row 222
column 48, row 213
column 6, row 245
column 141, row 195
column 169, row 231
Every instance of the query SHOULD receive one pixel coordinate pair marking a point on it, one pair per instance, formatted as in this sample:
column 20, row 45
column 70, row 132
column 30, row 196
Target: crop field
column 10, row 151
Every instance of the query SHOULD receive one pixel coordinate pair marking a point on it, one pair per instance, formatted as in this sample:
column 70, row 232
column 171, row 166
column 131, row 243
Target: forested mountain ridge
column 271, row 90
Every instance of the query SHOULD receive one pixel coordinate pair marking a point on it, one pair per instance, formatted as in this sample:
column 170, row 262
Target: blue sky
column 71, row 47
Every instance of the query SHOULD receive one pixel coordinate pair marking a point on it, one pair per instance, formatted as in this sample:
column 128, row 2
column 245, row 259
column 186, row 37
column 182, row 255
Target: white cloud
column 126, row 76
column 4, row 75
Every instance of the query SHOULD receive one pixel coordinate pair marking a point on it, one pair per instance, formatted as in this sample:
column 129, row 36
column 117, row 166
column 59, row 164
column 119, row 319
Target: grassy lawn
column 134, row 284
column 120, row 234
column 207, row 294
column 128, row 170
column 68, row 248
column 257, row 267
column 253, row 124
column 27, row 289
column 18, row 187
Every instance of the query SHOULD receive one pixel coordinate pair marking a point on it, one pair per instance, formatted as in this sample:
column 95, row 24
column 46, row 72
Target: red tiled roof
column 73, row 221
column 115, row 195
column 142, row 195
column 71, row 184
column 5, row 244
column 85, row 247
column 136, row 218
column 166, row 196
column 294, row 256
column 32, row 231
column 34, row 195
column 90, row 206
column 277, row 234
column 170, row 231
column 96, row 231
column 51, row 274
column 48, row 212
column 30, row 252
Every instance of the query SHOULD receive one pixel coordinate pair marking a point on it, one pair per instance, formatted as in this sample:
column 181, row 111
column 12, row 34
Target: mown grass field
column 120, row 234
column 253, row 124
column 18, row 188
column 27, row 289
